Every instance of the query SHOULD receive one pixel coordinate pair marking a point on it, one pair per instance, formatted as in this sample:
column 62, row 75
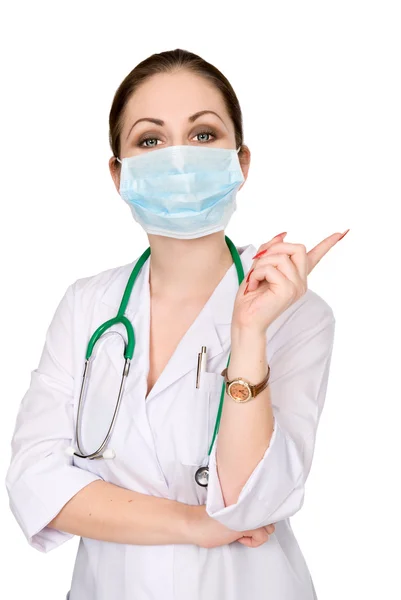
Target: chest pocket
column 199, row 412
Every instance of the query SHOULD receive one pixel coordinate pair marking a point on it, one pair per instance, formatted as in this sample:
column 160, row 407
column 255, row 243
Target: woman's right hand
column 209, row 533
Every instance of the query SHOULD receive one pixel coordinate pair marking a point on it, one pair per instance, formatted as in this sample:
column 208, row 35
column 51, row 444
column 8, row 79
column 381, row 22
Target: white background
column 319, row 85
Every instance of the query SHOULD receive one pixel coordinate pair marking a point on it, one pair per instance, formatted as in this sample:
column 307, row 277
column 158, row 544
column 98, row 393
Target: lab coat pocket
column 197, row 426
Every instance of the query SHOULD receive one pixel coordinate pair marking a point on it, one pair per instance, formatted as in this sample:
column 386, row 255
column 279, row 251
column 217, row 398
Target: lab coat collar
column 210, row 329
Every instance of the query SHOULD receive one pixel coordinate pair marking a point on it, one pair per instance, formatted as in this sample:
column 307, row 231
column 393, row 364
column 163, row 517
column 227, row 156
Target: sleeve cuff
column 273, row 491
column 39, row 495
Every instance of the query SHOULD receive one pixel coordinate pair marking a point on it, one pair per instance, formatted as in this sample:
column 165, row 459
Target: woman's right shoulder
column 102, row 285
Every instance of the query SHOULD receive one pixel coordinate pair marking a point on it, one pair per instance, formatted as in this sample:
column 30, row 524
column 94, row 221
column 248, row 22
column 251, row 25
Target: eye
column 147, row 139
column 206, row 132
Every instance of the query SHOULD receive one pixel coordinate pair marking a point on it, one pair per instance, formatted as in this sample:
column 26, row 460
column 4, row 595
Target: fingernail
column 345, row 233
column 249, row 274
column 259, row 254
column 246, row 289
column 263, row 251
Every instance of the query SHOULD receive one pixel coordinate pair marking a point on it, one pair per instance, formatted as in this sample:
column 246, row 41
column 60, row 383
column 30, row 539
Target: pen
column 201, row 366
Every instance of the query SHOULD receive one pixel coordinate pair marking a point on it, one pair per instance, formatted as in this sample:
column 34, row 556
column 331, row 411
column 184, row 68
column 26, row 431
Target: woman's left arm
column 263, row 452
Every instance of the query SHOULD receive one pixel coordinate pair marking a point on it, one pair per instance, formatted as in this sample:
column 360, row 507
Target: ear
column 244, row 157
column 114, row 167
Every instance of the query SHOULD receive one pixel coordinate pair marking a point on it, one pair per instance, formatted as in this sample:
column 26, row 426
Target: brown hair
column 168, row 62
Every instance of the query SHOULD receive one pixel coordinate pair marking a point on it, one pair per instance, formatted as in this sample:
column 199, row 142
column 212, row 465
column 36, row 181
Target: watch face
column 239, row 391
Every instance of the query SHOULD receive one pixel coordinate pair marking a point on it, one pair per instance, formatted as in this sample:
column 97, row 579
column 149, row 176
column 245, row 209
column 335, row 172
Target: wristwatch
column 240, row 390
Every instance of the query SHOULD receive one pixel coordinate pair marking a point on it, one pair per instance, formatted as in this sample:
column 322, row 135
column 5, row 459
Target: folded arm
column 272, row 487
column 107, row 512
column 51, row 498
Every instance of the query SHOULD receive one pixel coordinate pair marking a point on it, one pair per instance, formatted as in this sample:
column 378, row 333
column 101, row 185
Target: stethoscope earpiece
column 109, row 453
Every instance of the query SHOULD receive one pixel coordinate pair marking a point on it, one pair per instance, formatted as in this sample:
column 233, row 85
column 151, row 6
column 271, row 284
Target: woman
column 154, row 523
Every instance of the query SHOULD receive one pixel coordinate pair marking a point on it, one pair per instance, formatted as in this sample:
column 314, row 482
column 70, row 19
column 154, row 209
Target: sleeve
column 41, row 478
column 298, row 383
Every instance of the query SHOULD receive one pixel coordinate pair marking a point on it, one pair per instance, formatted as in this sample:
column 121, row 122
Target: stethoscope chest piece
column 202, row 476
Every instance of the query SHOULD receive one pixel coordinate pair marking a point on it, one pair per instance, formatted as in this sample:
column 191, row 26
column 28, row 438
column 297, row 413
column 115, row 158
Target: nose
column 178, row 141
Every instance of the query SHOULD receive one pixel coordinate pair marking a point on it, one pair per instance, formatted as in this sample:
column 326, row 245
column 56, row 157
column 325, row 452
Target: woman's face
column 166, row 111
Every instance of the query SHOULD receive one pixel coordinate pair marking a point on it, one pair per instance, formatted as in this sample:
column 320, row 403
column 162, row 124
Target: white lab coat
column 161, row 441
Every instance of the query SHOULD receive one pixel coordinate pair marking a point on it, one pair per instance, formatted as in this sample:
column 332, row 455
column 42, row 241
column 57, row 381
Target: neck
column 187, row 268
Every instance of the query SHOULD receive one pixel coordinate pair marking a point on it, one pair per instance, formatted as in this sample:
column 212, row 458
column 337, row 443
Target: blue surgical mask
column 182, row 191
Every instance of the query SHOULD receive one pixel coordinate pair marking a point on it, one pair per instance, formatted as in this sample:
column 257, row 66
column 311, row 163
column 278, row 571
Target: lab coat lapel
column 211, row 328
column 183, row 360
column 202, row 332
column 138, row 312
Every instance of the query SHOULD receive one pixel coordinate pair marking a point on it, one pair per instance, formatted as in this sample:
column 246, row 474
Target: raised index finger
column 317, row 253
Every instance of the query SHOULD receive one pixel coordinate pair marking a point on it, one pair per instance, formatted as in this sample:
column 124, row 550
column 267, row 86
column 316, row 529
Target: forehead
column 174, row 96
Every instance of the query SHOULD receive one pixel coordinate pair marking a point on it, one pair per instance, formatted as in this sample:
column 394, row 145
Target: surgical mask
column 182, row 191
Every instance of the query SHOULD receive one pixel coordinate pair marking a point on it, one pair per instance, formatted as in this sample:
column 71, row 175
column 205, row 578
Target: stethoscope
column 202, row 474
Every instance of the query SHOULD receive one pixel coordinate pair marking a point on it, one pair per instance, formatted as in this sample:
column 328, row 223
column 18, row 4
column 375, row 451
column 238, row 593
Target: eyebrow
column 191, row 119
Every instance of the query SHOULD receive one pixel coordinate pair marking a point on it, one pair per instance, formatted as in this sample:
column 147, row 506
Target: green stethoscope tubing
column 121, row 318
